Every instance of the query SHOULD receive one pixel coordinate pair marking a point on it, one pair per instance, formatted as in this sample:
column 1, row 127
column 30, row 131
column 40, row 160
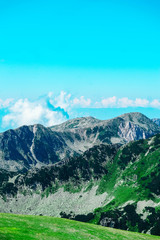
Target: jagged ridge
column 37, row 146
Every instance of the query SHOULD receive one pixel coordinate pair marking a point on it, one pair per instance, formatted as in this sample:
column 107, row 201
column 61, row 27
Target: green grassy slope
column 39, row 227
column 134, row 177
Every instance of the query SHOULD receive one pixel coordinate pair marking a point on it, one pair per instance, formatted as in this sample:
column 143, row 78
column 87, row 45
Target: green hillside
column 108, row 185
column 133, row 182
column 39, row 227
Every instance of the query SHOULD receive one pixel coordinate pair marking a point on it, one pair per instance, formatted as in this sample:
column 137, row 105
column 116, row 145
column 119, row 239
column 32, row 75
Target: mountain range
column 104, row 172
column 37, row 146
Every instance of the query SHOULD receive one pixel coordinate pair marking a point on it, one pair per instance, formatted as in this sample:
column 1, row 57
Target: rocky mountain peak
column 139, row 119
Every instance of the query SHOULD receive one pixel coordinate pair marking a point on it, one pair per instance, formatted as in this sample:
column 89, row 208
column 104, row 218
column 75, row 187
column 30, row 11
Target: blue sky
column 98, row 52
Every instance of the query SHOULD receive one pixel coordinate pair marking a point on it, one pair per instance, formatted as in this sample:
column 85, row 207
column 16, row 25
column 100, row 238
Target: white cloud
column 81, row 102
column 50, row 94
column 62, row 101
column 5, row 103
column 24, row 112
column 155, row 103
column 122, row 102
column 125, row 102
column 109, row 102
column 141, row 102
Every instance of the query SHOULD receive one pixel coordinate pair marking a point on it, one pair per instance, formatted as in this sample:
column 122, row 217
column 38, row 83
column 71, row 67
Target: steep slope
column 133, row 185
column 30, row 146
column 108, row 185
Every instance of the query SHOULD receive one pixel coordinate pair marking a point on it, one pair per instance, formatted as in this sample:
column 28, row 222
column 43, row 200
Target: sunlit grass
column 27, row 227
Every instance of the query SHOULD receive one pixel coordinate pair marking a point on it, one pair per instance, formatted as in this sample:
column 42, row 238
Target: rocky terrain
column 156, row 120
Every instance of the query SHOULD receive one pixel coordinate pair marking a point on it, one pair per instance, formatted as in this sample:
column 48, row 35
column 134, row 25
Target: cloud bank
column 55, row 109
column 48, row 110
column 125, row 102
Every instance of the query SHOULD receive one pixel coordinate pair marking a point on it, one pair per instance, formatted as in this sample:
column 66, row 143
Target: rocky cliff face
column 37, row 146
column 30, row 146
column 125, row 128
column 157, row 121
